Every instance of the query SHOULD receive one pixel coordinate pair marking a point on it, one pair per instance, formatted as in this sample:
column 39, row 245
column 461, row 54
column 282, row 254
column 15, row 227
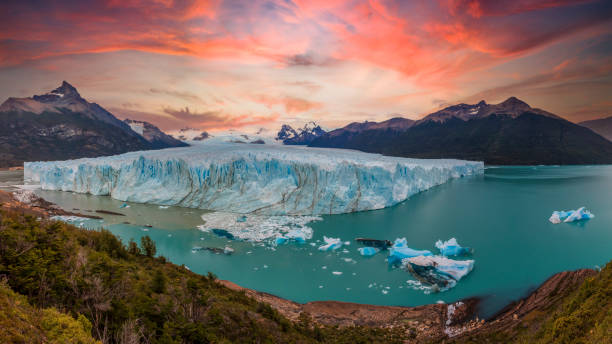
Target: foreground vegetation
column 582, row 314
column 122, row 293
column 61, row 284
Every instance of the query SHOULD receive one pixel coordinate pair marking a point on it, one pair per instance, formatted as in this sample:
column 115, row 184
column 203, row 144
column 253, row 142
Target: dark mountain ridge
column 602, row 126
column 61, row 125
column 508, row 133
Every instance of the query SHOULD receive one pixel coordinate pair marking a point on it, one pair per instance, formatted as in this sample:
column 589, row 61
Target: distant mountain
column 301, row 136
column 190, row 134
column 61, row 125
column 366, row 136
column 157, row 138
column 510, row 132
column 602, row 126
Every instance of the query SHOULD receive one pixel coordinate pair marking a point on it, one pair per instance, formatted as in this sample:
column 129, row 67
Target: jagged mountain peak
column 65, row 92
column 310, row 131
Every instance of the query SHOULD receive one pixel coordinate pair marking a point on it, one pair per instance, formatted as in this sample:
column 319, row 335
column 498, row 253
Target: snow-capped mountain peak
column 302, row 136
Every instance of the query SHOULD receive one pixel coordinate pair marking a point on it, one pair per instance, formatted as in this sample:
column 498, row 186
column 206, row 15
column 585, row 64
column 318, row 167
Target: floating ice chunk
column 337, row 273
column 228, row 250
column 252, row 179
column 400, row 250
column 452, row 248
column 260, row 227
column 331, row 244
column 438, row 271
column 66, row 218
column 164, row 206
column 368, row 251
column 570, row 215
column 124, row 205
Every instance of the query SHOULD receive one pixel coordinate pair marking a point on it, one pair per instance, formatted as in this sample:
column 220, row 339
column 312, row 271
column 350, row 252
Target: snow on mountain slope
column 250, row 178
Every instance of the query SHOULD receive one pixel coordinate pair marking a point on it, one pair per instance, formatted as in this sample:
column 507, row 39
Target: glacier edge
column 257, row 179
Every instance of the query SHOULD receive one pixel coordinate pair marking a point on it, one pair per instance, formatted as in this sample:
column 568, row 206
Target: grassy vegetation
column 581, row 315
column 585, row 316
column 121, row 293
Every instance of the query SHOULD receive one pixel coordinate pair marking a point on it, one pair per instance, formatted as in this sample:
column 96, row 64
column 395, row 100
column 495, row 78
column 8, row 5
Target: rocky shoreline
column 433, row 323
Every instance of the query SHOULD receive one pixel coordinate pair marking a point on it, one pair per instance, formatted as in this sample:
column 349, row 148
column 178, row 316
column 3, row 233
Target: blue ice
column 570, row 215
column 452, row 248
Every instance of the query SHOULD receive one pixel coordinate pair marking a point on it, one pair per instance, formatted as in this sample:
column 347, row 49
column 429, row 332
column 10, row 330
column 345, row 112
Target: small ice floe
column 440, row 272
column 169, row 235
column 368, row 251
column 570, row 215
column 324, row 267
column 349, row 260
column 400, row 250
column 385, row 292
column 337, row 273
column 320, row 287
column 265, row 266
column 228, row 250
column 124, row 205
column 452, row 248
column 331, row 244
column 144, row 229
column 295, row 235
column 346, row 243
column 164, row 206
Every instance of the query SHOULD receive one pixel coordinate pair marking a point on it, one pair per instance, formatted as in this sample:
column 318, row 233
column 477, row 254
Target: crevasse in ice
column 245, row 178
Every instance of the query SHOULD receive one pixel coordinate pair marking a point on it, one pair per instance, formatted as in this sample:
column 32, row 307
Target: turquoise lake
column 503, row 215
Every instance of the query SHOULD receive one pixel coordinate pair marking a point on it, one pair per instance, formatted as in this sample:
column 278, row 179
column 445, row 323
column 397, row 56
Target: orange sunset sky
column 215, row 65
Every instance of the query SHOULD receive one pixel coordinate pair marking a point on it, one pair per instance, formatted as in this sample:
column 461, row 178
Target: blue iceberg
column 439, row 272
column 400, row 250
column 368, row 251
column 296, row 235
column 331, row 244
column 452, row 248
column 570, row 215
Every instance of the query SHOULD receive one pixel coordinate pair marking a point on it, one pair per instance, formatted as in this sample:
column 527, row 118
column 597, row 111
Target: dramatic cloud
column 328, row 60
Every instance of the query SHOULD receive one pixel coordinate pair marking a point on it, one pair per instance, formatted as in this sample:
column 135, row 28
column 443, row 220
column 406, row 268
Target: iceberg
column 258, row 228
column 570, row 215
column 297, row 235
column 440, row 272
column 452, row 248
column 368, row 251
column 331, row 244
column 251, row 178
column 400, row 250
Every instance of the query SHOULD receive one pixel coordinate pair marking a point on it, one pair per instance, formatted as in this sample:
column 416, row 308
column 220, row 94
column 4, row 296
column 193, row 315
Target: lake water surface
column 502, row 215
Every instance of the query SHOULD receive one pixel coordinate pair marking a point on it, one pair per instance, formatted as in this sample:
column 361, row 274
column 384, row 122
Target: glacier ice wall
column 259, row 179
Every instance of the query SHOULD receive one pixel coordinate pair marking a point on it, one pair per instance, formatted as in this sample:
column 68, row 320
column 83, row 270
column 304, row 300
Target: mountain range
column 602, row 126
column 61, row 125
column 302, row 136
column 508, row 133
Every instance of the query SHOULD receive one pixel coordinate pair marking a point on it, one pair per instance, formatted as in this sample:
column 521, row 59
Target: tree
column 148, row 246
column 133, row 248
column 159, row 282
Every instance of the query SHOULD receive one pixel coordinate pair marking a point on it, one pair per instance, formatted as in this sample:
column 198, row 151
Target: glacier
column 251, row 178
